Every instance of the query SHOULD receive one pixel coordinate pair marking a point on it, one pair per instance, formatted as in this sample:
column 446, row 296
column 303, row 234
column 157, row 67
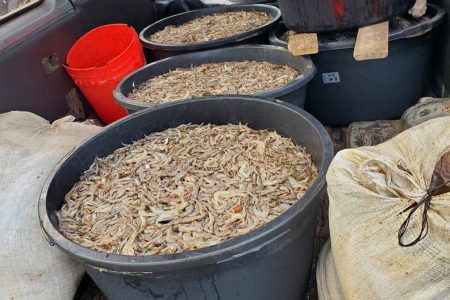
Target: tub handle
column 49, row 240
column 256, row 249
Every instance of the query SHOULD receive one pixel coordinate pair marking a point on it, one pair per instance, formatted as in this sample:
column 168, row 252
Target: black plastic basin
column 258, row 35
column 272, row 262
column 294, row 92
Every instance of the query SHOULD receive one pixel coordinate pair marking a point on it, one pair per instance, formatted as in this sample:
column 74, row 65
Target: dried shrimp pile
column 185, row 188
column 244, row 77
column 211, row 27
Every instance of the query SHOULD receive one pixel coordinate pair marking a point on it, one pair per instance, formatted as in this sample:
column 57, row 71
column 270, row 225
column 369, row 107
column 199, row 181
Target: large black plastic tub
column 258, row 35
column 346, row 91
column 272, row 262
column 332, row 15
column 293, row 92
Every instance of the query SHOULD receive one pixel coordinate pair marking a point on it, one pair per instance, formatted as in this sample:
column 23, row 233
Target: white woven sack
column 30, row 148
column 371, row 191
column 327, row 281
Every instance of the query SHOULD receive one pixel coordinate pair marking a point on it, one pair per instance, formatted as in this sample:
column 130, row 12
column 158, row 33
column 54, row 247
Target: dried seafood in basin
column 185, row 188
column 212, row 79
column 211, row 27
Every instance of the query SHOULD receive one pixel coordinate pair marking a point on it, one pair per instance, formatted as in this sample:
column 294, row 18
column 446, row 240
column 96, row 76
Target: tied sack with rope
column 390, row 216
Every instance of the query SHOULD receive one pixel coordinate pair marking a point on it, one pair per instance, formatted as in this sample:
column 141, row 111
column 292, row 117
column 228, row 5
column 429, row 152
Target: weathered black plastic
column 269, row 263
column 258, row 35
column 293, row 92
column 332, row 15
column 375, row 89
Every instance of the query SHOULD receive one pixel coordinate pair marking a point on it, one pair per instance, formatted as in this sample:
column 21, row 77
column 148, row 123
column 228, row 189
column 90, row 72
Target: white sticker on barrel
column 331, row 77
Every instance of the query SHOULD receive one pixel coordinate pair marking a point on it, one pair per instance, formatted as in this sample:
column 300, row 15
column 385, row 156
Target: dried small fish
column 244, row 77
column 185, row 188
column 211, row 27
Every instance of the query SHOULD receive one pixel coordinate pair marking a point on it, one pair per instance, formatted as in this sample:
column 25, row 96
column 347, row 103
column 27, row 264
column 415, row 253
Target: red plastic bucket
column 99, row 60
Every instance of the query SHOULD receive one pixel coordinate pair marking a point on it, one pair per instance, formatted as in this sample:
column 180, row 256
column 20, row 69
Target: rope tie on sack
column 425, row 201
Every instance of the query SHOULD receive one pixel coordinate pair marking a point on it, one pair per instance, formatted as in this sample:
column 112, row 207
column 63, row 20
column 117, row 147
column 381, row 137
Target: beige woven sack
column 30, row 148
column 327, row 281
column 372, row 190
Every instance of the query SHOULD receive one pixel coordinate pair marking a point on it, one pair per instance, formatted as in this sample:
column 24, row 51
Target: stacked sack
column 371, row 133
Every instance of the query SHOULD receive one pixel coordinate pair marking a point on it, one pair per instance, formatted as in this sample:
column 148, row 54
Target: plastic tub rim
column 413, row 31
column 230, row 249
column 108, row 64
column 213, row 43
column 308, row 74
column 418, row 29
